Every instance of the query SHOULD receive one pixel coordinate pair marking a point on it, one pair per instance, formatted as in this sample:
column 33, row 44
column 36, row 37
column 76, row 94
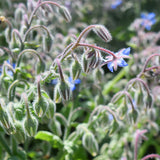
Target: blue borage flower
column 116, row 3
column 148, row 20
column 112, row 63
column 72, row 83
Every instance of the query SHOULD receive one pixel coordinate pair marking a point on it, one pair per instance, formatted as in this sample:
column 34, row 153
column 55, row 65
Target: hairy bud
column 31, row 125
column 103, row 33
column 90, row 143
column 6, row 121
column 76, row 69
column 41, row 106
column 20, row 132
column 64, row 90
column 51, row 109
column 65, row 13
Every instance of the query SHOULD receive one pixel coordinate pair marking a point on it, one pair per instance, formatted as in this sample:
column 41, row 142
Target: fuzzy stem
column 151, row 68
column 35, row 27
column 24, row 95
column 38, row 6
column 29, row 51
column 9, row 66
column 146, row 63
column 130, row 99
column 141, row 81
column 67, row 129
column 39, row 87
column 15, row 31
column 82, row 34
column 138, row 135
column 151, row 156
column 99, row 48
column 60, row 70
column 62, row 118
column 12, row 87
column 8, row 51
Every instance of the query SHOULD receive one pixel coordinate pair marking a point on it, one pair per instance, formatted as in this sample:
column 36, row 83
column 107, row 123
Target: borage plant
column 48, row 97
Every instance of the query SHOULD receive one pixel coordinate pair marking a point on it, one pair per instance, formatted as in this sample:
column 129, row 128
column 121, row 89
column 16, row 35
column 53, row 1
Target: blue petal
column 110, row 66
column 10, row 73
column 14, row 65
column 110, row 117
column 77, row 81
column 151, row 16
column 153, row 21
column 70, row 80
column 126, row 51
column 72, row 87
column 148, row 27
column 122, row 63
column 143, row 15
column 8, row 61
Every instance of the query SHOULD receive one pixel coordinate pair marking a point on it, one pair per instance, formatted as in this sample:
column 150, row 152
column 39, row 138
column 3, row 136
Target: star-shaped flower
column 148, row 20
column 72, row 83
column 113, row 62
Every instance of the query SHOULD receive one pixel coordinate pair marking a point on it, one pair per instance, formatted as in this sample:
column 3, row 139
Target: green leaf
column 49, row 137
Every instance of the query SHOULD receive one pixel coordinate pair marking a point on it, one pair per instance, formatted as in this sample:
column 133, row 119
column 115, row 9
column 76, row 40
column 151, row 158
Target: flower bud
column 19, row 111
column 51, row 109
column 133, row 115
column 76, row 69
column 48, row 40
column 85, row 65
column 64, row 91
column 40, row 67
column 95, row 60
column 20, row 132
column 65, row 13
column 41, row 106
column 115, row 126
column 6, row 121
column 103, row 33
column 30, row 125
column 91, row 60
column 57, row 97
column 81, row 128
column 90, row 143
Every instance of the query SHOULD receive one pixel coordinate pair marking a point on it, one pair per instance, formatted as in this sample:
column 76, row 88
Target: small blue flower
column 115, row 4
column 148, row 20
column 119, row 61
column 72, row 83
